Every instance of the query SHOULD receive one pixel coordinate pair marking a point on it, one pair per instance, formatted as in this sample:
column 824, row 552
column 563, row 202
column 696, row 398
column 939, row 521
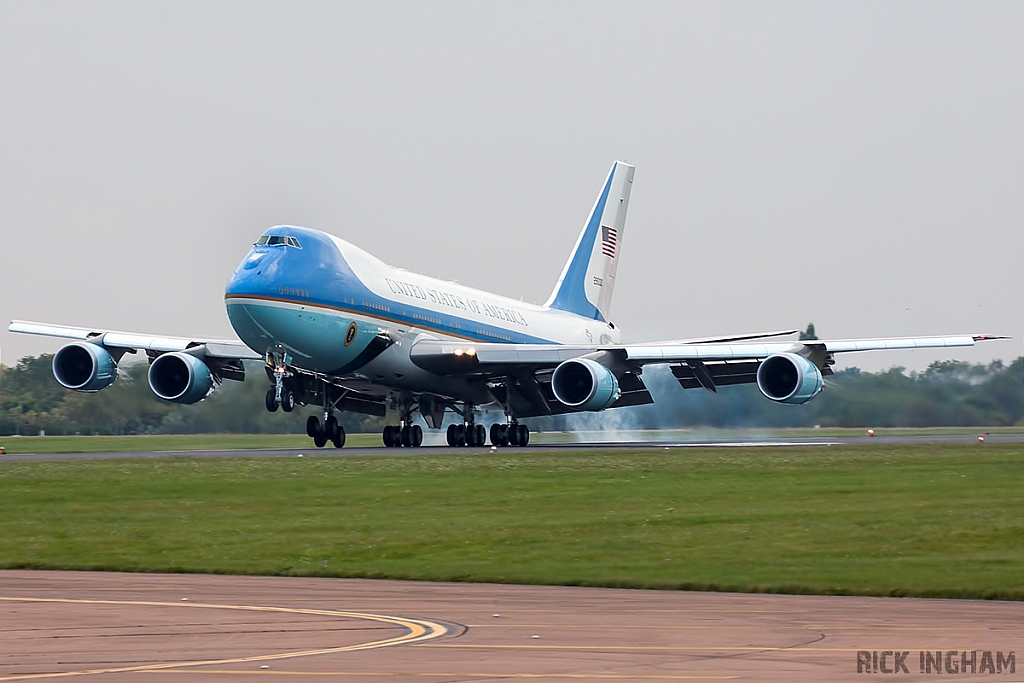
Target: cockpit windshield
column 278, row 241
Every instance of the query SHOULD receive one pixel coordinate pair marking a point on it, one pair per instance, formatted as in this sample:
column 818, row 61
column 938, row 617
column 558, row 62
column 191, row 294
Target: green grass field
column 933, row 520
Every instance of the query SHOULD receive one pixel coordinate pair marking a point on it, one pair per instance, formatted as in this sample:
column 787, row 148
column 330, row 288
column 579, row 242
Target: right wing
column 224, row 356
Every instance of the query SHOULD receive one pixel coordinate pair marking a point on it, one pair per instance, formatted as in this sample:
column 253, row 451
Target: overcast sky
column 857, row 165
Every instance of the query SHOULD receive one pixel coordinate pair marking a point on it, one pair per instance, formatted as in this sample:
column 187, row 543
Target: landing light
column 458, row 352
column 470, row 351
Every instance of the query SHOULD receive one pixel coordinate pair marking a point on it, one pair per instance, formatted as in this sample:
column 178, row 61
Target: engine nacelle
column 180, row 378
column 584, row 384
column 788, row 378
column 84, row 367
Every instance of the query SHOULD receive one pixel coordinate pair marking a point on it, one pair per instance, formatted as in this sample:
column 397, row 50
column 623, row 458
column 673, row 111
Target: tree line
column 947, row 393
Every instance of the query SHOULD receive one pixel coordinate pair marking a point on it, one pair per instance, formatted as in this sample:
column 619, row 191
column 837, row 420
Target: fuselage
column 328, row 304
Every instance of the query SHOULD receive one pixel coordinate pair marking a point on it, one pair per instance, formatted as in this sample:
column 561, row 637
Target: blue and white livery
column 338, row 328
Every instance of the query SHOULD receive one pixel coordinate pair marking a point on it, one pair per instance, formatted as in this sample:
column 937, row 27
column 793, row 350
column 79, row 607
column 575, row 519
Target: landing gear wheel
column 287, row 401
column 416, row 436
column 389, row 437
column 405, row 436
column 481, row 435
column 271, row 401
column 338, row 437
column 513, row 435
column 524, row 435
column 451, row 436
column 495, row 434
column 320, row 438
column 312, row 426
column 460, row 435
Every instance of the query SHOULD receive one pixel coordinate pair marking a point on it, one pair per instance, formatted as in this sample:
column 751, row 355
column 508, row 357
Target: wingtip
column 987, row 337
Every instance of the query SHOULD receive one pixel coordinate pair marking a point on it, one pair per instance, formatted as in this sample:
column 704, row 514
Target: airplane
column 339, row 329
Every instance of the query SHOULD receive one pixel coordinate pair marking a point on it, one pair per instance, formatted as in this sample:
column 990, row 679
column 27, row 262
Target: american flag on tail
column 609, row 239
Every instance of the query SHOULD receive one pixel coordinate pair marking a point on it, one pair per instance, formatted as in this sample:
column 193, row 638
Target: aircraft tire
column 312, row 426
column 416, row 436
column 405, row 436
column 512, row 439
column 320, row 438
column 338, row 438
column 389, row 437
column 271, row 401
column 460, row 435
column 451, row 436
column 524, row 435
column 495, row 434
column 481, row 435
column 287, row 401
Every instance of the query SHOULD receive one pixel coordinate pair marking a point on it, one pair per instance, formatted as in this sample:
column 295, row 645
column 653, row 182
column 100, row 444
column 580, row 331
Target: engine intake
column 584, row 384
column 180, row 378
column 84, row 367
column 788, row 378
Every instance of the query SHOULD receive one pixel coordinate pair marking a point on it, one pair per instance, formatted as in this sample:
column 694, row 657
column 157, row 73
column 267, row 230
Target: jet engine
column 180, row 378
column 584, row 384
column 788, row 378
column 84, row 367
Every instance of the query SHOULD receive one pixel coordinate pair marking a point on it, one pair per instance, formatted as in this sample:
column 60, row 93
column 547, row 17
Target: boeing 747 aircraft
column 340, row 329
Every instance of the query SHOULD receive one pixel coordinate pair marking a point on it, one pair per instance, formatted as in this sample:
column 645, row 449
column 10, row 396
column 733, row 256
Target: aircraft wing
column 459, row 358
column 224, row 356
column 524, row 370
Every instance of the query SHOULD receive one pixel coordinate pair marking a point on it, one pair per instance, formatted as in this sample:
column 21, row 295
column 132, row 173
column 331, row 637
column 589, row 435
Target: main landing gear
column 408, row 436
column 466, row 435
column 471, row 434
column 405, row 434
column 331, row 430
column 511, row 434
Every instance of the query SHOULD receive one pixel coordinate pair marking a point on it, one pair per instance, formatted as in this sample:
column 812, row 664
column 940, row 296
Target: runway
column 109, row 626
column 378, row 451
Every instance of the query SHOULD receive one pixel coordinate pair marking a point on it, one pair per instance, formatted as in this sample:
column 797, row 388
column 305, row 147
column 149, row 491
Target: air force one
column 340, row 329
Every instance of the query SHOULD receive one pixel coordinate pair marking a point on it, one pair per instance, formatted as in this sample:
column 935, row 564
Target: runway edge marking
column 418, row 631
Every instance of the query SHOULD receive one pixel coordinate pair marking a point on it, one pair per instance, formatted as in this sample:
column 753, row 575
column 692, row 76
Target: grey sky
column 857, row 165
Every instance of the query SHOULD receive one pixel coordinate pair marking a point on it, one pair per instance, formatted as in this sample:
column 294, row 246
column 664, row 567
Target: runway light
column 981, row 439
column 184, row 599
column 871, row 432
column 495, row 615
column 299, row 455
column 535, row 636
column 494, row 448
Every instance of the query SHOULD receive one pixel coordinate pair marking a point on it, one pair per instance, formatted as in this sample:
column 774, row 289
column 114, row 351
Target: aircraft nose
column 248, row 275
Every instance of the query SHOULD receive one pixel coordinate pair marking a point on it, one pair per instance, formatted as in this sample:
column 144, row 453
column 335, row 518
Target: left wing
column 527, row 371
column 461, row 358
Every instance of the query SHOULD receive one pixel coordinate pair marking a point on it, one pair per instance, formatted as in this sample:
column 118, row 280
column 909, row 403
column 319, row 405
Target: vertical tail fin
column 588, row 279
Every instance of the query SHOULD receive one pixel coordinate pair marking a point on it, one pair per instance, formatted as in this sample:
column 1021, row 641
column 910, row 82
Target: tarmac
column 379, row 451
column 111, row 626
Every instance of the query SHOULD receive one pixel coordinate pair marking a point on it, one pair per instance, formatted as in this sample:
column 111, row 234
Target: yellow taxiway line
column 418, row 631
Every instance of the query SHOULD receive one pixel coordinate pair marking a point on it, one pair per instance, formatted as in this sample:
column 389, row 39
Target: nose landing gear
column 278, row 395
